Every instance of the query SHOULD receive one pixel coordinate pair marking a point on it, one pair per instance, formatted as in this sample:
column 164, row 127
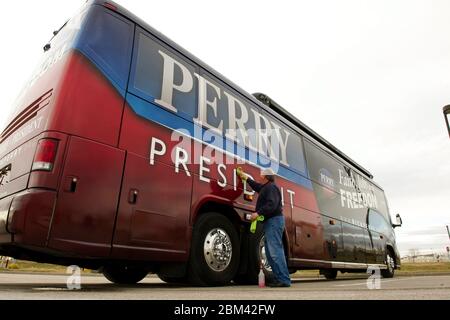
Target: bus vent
column 26, row 115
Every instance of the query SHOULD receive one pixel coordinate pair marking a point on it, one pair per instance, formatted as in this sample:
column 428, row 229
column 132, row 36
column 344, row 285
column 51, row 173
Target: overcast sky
column 370, row 76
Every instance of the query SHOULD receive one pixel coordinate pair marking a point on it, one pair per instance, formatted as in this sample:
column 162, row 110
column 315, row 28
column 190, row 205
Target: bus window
column 326, row 170
column 241, row 109
column 148, row 74
column 380, row 204
column 217, row 119
column 295, row 156
column 378, row 223
column 107, row 40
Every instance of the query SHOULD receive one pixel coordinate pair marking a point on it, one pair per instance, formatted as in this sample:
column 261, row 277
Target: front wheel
column 390, row 264
column 124, row 274
column 329, row 274
column 215, row 251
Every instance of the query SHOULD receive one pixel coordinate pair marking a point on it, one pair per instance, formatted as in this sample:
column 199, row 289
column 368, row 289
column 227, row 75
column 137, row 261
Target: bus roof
column 286, row 114
column 260, row 99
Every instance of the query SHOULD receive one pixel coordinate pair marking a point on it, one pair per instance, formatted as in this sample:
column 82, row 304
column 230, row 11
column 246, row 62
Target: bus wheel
column 329, row 274
column 390, row 263
column 124, row 274
column 256, row 258
column 215, row 251
column 174, row 280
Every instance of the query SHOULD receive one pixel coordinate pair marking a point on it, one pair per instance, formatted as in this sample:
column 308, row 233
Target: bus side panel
column 89, row 104
column 334, row 245
column 88, row 196
column 153, row 225
column 86, row 104
column 90, row 98
column 31, row 212
column 354, row 238
column 307, row 234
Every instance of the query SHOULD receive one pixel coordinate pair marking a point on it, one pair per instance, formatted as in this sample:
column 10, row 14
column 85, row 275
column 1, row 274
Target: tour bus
column 121, row 153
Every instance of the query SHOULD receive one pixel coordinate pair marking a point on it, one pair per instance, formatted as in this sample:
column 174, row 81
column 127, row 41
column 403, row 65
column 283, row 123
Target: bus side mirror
column 447, row 117
column 399, row 221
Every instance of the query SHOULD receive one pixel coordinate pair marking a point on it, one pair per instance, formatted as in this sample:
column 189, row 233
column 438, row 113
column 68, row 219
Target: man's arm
column 245, row 178
column 255, row 185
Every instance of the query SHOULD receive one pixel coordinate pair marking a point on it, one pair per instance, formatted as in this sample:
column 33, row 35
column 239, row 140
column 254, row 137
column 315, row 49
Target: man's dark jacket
column 269, row 200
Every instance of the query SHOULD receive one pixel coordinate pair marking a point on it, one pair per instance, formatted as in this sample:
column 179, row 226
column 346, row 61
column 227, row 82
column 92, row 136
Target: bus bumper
column 5, row 204
column 25, row 217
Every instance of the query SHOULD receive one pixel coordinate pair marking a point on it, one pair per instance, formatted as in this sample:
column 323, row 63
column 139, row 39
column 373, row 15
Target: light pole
column 448, row 248
column 447, row 120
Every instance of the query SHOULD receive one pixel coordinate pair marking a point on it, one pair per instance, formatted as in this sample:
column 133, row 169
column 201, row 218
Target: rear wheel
column 256, row 258
column 124, row 274
column 390, row 264
column 215, row 251
column 329, row 274
column 175, row 280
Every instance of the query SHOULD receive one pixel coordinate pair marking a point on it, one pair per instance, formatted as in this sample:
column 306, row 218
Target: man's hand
column 241, row 174
column 254, row 216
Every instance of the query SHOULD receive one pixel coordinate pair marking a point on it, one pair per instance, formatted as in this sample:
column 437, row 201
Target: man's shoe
column 278, row 285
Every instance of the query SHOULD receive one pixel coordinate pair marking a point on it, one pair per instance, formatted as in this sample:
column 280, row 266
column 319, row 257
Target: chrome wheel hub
column 390, row 263
column 218, row 250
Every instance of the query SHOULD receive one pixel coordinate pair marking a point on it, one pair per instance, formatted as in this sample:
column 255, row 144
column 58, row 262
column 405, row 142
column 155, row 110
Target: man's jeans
column 273, row 230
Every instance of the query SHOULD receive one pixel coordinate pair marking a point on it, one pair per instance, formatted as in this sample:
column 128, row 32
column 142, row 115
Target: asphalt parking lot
column 95, row 287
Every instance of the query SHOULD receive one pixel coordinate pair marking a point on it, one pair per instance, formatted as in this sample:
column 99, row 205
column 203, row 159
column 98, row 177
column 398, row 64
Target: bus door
column 378, row 230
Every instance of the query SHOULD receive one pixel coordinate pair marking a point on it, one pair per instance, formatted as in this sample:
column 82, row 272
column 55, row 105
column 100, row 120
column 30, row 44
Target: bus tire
column 174, row 280
column 255, row 257
column 390, row 263
column 124, row 274
column 329, row 274
column 215, row 252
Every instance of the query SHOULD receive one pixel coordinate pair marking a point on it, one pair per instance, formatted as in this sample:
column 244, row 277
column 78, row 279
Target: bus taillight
column 44, row 158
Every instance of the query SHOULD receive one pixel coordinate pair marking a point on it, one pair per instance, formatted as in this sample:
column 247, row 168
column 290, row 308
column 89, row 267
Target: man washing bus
column 269, row 205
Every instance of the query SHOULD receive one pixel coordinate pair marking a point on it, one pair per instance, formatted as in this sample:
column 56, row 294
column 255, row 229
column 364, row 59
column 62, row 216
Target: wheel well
column 223, row 209
column 392, row 252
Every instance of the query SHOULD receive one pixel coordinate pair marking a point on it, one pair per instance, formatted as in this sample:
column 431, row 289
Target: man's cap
column 267, row 172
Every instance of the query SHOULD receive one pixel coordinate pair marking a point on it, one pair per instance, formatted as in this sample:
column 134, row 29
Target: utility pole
column 448, row 248
column 447, row 120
